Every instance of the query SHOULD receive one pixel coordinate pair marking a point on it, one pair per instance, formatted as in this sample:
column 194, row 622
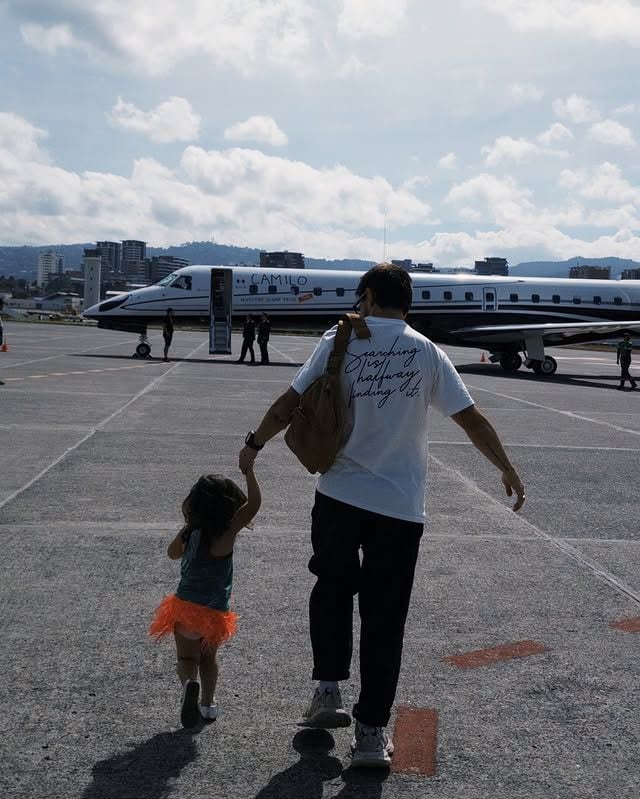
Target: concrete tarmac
column 99, row 449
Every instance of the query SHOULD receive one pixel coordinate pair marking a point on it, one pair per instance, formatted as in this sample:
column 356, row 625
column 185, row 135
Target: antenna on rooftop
column 384, row 240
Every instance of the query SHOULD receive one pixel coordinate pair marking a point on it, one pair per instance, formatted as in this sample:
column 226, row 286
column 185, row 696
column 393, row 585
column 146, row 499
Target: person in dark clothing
column 625, row 348
column 1, row 331
column 248, row 337
column 167, row 332
column 264, row 331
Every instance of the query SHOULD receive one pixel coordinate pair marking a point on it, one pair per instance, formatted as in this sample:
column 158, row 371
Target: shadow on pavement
column 145, row 771
column 230, row 360
column 593, row 381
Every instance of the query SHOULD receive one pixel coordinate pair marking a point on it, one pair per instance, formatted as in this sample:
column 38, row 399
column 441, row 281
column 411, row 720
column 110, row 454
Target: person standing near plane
column 248, row 337
column 373, row 499
column 1, row 332
column 264, row 332
column 625, row 348
column 167, row 332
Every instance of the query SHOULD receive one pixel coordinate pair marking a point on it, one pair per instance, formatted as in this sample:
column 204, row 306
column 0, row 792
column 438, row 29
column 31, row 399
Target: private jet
column 513, row 318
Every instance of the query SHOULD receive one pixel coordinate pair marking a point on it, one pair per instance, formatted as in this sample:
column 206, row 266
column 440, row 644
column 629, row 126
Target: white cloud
column 242, row 34
column 576, row 109
column 626, row 109
column 262, row 129
column 20, row 141
column 371, row 18
column 506, row 148
column 603, row 183
column 557, row 133
column 603, row 20
column 611, row 132
column 171, row 121
column 353, row 67
column 525, row 93
column 448, row 161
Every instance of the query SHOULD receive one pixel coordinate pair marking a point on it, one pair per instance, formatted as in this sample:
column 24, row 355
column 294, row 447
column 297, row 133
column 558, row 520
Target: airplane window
column 166, row 280
column 317, row 291
column 468, row 295
column 577, row 300
column 597, row 300
column 447, row 295
column 489, row 296
column 535, row 298
column 617, row 300
column 426, row 295
column 273, row 289
column 182, row 282
column 339, row 292
column 253, row 289
column 295, row 290
column 513, row 297
column 556, row 299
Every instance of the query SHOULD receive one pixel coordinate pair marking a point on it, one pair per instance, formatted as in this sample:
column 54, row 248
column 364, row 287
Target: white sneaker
column 189, row 715
column 371, row 747
column 325, row 711
column 209, row 712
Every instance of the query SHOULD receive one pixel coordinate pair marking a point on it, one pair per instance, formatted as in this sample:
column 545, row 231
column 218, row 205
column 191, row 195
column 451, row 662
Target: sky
column 442, row 132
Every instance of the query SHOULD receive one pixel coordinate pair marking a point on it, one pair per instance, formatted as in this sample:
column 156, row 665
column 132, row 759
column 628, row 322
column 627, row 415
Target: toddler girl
column 198, row 613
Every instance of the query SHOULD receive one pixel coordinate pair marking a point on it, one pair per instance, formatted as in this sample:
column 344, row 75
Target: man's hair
column 390, row 285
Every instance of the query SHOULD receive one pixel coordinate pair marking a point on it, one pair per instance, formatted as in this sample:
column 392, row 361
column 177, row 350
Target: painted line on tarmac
column 65, row 354
column 496, row 654
column 570, row 414
column 415, row 738
column 593, row 566
column 283, row 354
column 84, row 372
column 540, row 446
column 149, row 387
column 627, row 625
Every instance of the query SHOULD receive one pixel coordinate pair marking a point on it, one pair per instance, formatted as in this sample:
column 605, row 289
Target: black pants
column 264, row 352
column 624, row 374
column 383, row 582
column 247, row 344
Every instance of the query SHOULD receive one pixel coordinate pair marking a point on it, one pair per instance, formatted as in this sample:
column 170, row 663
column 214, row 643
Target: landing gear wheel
column 547, row 367
column 143, row 350
column 510, row 361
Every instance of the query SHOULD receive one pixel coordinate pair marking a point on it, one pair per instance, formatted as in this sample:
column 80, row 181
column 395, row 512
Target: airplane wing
column 552, row 335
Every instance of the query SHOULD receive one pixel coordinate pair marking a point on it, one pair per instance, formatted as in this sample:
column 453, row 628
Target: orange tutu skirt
column 213, row 626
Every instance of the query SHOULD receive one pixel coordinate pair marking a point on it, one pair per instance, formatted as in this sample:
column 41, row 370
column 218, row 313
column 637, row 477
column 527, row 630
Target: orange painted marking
column 415, row 738
column 627, row 625
column 496, row 654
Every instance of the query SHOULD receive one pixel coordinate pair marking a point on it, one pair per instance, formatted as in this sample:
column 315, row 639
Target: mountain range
column 22, row 261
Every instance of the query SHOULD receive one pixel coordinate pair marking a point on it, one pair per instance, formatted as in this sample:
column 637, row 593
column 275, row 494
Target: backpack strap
column 349, row 322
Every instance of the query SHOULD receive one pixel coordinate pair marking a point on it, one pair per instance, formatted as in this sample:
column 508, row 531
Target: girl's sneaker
column 189, row 714
column 371, row 747
column 209, row 712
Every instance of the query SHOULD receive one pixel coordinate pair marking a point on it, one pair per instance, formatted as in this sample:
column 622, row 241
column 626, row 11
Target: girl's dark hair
column 210, row 506
column 390, row 284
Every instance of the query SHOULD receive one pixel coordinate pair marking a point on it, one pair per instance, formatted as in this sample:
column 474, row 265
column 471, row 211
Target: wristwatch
column 250, row 441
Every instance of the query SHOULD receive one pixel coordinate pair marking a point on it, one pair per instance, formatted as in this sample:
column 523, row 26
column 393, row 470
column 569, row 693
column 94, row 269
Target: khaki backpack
column 316, row 432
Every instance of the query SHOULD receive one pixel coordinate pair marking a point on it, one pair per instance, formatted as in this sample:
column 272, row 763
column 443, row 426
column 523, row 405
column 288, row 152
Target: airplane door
column 489, row 299
column 221, row 302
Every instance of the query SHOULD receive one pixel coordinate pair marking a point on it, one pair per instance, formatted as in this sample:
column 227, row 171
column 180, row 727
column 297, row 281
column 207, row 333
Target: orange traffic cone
column 482, row 358
column 5, row 347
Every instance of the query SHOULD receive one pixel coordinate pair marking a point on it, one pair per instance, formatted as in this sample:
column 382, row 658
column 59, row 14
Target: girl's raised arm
column 254, row 499
column 176, row 547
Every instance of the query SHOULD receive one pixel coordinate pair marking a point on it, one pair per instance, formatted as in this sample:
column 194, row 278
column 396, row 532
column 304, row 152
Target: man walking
column 264, row 331
column 625, row 348
column 372, row 500
column 167, row 332
column 248, row 337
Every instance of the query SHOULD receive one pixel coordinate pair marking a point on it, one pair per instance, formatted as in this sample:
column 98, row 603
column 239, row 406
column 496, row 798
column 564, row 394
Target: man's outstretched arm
column 484, row 437
column 276, row 419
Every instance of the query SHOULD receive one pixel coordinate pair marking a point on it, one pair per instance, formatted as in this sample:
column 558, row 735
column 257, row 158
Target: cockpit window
column 182, row 282
column 166, row 280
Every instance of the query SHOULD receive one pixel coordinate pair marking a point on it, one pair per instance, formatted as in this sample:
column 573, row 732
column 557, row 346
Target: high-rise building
column 630, row 274
column 111, row 252
column 134, row 254
column 492, row 266
column 50, row 264
column 281, row 260
column 160, row 266
column 586, row 272
column 91, row 266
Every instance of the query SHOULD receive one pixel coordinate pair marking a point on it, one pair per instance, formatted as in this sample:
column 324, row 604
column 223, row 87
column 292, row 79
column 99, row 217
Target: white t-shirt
column 388, row 383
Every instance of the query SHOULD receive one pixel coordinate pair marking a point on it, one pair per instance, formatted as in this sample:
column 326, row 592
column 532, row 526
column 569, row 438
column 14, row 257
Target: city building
column 49, row 264
column 630, row 274
column 590, row 272
column 281, row 260
column 134, row 254
column 111, row 253
column 92, row 268
column 159, row 266
column 407, row 263
column 492, row 266
column 62, row 301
